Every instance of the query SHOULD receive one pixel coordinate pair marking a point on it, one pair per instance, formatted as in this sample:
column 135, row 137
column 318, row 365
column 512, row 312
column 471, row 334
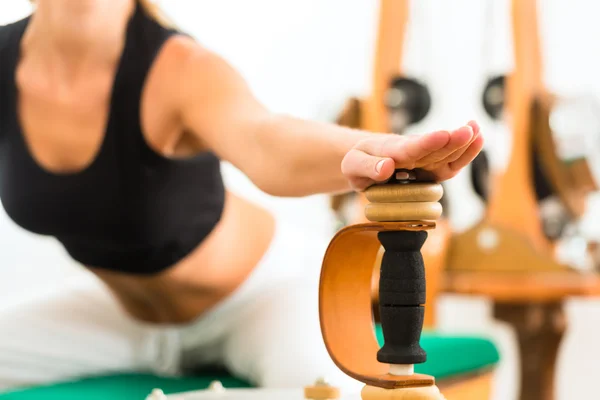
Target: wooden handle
column 345, row 304
column 346, row 281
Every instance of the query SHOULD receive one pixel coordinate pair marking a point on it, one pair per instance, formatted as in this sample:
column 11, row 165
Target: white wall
column 305, row 57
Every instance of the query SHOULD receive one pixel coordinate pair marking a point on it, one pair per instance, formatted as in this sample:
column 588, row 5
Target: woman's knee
column 277, row 342
column 304, row 368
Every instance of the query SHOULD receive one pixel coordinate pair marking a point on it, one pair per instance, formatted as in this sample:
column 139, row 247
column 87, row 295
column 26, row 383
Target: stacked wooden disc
column 404, row 201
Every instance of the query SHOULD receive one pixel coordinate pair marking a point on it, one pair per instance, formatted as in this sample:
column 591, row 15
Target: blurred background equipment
column 510, row 256
column 408, row 102
column 493, row 97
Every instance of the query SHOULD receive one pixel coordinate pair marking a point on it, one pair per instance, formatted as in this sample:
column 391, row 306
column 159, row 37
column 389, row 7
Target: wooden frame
column 508, row 257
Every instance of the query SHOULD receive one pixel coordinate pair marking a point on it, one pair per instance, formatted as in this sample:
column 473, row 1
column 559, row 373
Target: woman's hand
column 441, row 154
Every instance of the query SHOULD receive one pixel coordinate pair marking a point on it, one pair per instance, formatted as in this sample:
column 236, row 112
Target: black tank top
column 132, row 210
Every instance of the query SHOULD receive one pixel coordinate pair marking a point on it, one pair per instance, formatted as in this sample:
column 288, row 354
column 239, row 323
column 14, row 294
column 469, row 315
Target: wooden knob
column 321, row 390
column 405, row 192
column 391, row 212
column 420, row 393
column 404, row 202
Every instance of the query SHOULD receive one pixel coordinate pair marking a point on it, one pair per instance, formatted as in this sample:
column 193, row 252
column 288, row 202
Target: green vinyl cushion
column 447, row 356
column 452, row 355
column 120, row 387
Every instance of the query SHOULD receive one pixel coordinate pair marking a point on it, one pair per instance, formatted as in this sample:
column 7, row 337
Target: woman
column 112, row 128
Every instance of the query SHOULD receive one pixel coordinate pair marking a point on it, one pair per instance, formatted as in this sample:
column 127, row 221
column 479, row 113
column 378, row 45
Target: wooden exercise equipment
column 389, row 51
column 509, row 256
column 511, row 237
column 401, row 212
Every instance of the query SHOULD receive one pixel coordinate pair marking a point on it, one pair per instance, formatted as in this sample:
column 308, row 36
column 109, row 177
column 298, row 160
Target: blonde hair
column 152, row 9
column 156, row 13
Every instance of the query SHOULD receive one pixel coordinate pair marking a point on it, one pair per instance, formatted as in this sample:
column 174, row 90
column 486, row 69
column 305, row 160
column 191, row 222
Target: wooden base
column 494, row 248
column 539, row 329
column 468, row 387
column 531, row 303
column 418, row 393
column 523, row 287
column 473, row 387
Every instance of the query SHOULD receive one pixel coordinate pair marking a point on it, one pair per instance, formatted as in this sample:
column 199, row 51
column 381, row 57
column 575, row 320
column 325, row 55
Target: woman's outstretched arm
column 287, row 156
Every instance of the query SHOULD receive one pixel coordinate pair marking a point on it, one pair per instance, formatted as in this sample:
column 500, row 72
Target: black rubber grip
column 401, row 296
column 402, row 332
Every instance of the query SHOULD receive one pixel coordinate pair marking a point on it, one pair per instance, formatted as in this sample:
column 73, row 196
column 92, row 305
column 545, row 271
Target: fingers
column 458, row 153
column 475, row 126
column 459, row 140
column 469, row 155
column 442, row 153
column 359, row 164
column 405, row 150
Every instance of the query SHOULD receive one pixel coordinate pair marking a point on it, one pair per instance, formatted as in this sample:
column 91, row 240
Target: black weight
column 494, row 97
column 480, row 175
column 409, row 98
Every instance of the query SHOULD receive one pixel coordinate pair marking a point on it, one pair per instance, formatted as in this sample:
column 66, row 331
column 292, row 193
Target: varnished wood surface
column 393, row 20
column 512, row 201
column 404, row 202
column 539, row 329
column 518, row 287
column 403, row 211
column 399, row 193
column 468, row 387
column 421, row 393
column 345, row 304
column 322, row 392
column 494, row 248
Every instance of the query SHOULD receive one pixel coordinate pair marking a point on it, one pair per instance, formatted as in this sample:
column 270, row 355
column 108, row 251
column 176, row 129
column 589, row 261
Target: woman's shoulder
column 178, row 52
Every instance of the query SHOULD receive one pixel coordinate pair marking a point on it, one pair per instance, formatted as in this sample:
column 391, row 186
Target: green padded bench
column 447, row 356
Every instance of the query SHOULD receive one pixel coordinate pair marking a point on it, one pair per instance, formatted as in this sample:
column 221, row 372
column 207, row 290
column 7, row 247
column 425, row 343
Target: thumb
column 358, row 164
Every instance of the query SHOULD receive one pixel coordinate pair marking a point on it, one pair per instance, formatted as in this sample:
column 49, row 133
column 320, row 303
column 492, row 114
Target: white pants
column 267, row 332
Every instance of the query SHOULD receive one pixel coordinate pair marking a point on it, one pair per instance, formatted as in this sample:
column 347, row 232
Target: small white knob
column 216, row 386
column 157, row 394
column 395, row 98
column 322, row 381
column 402, row 369
column 488, row 239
